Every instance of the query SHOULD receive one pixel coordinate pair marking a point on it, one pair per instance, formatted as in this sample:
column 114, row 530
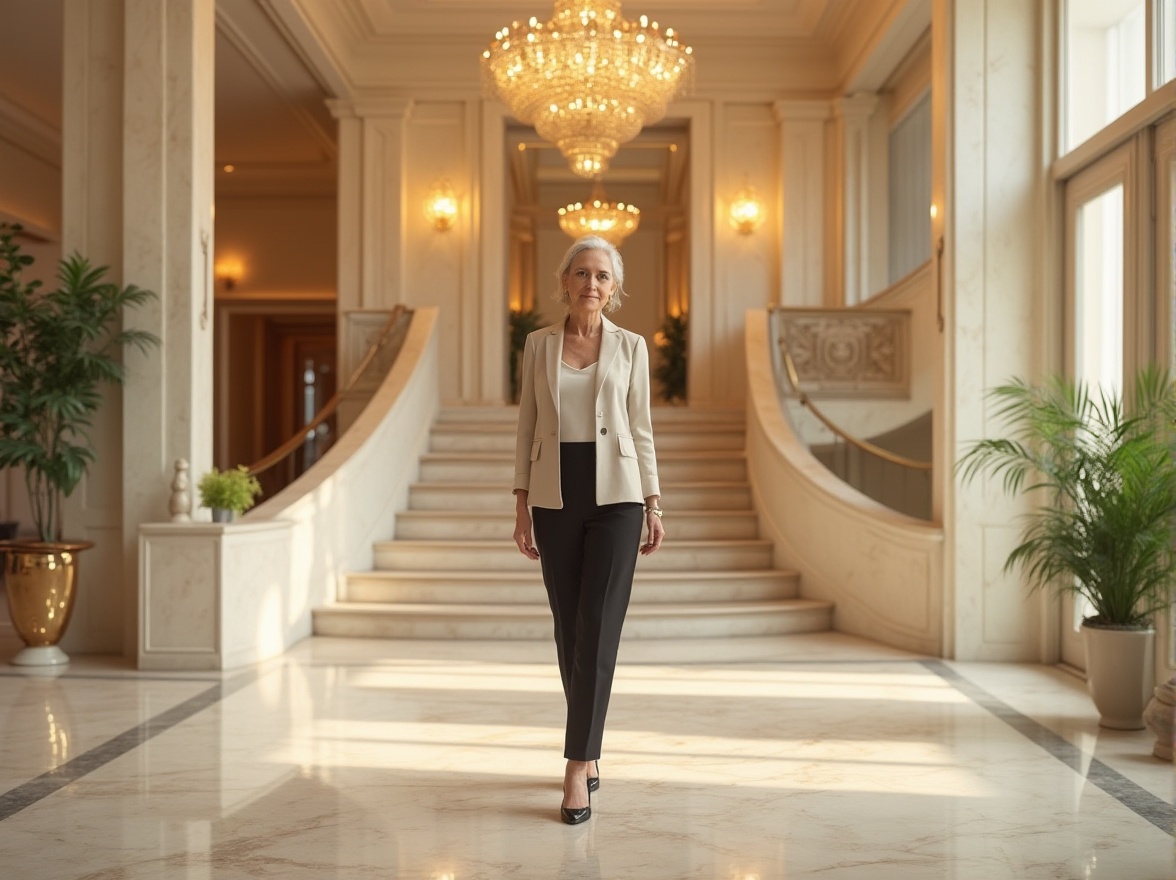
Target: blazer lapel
column 554, row 355
column 610, row 346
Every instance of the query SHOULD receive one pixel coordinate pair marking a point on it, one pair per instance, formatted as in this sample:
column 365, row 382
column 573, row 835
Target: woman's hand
column 655, row 532
column 523, row 538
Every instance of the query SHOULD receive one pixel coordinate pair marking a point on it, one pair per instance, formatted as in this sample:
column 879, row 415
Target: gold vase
column 40, row 582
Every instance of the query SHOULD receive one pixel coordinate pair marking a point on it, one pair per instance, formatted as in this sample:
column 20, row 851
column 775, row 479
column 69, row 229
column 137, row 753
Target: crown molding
column 30, row 132
column 238, row 36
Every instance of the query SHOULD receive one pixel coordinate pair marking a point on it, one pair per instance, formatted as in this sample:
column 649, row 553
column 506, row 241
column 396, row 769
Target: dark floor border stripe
column 1134, row 797
column 17, row 799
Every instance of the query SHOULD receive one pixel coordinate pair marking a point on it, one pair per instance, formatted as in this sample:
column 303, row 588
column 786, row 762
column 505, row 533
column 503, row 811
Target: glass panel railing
column 893, row 467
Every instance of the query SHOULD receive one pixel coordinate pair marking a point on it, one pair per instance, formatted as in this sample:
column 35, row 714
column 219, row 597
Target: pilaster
column 851, row 227
column 167, row 134
column 371, row 200
column 803, row 173
column 137, row 163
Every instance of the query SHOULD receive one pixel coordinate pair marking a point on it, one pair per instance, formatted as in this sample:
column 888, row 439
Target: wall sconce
column 441, row 206
column 228, row 271
column 747, row 211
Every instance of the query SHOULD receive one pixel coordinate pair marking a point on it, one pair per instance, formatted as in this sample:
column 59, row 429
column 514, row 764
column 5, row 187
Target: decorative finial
column 180, row 505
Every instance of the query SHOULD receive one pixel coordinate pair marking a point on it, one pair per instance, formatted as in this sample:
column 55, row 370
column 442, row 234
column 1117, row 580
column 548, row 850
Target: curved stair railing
column 310, row 442
column 872, row 366
column 217, row 596
column 883, row 569
column 898, row 481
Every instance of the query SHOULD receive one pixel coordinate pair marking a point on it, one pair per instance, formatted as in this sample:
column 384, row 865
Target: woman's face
column 589, row 281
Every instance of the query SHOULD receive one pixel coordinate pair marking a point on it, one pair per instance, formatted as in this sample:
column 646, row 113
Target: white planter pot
column 1120, row 673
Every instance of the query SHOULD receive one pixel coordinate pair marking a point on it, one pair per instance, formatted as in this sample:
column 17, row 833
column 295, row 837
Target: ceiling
column 277, row 61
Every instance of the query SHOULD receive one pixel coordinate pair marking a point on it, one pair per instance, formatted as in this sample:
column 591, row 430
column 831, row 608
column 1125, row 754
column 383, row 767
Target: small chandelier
column 588, row 80
column 612, row 221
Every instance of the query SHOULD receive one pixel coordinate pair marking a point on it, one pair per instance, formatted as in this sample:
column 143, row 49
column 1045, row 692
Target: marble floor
column 745, row 759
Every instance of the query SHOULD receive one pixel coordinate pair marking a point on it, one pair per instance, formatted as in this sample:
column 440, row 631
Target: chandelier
column 589, row 79
column 612, row 221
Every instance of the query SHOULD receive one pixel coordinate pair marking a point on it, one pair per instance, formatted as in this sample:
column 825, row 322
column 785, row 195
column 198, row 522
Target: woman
column 584, row 462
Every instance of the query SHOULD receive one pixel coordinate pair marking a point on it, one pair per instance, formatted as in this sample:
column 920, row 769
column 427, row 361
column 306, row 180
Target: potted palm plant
column 1103, row 532
column 59, row 348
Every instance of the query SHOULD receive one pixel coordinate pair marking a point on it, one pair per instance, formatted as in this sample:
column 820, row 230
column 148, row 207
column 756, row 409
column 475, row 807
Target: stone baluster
column 180, row 505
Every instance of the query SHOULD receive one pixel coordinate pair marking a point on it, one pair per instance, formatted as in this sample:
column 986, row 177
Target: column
column 167, row 195
column 371, row 201
column 993, row 185
column 372, row 135
column 803, row 279
column 851, row 223
column 137, row 164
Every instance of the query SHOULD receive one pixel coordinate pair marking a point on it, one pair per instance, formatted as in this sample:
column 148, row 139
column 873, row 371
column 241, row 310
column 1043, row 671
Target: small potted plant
column 1104, row 530
column 228, row 493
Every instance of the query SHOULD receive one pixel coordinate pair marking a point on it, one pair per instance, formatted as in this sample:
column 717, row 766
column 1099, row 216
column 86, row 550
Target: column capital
column 370, row 106
column 856, row 106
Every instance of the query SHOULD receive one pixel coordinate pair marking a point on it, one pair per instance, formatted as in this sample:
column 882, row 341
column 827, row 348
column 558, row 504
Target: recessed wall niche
column 651, row 172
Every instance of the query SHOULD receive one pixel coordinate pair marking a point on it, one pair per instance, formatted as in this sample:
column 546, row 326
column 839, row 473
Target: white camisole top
column 576, row 391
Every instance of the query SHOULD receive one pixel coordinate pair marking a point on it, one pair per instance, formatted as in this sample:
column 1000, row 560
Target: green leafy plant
column 522, row 324
column 671, row 369
column 229, row 490
column 1104, row 531
column 57, row 348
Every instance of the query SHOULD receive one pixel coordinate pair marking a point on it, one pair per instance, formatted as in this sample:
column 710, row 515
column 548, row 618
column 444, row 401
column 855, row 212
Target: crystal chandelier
column 612, row 221
column 589, row 79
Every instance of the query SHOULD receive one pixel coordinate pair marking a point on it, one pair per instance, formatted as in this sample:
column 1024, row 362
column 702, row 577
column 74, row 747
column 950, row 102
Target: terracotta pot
column 40, row 582
column 1120, row 673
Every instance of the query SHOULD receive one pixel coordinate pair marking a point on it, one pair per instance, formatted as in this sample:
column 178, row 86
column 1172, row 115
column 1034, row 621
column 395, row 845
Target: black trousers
column 588, row 553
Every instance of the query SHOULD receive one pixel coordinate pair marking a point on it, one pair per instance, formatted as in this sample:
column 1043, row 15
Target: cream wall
column 285, row 245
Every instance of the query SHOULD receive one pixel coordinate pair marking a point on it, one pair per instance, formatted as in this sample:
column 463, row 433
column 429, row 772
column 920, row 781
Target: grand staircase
column 453, row 572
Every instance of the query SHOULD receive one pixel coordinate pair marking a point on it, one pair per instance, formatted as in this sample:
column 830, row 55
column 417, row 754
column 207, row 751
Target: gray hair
column 591, row 243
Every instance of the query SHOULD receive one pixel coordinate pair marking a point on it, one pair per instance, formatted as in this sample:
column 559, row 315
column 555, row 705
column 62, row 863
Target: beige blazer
column 626, row 467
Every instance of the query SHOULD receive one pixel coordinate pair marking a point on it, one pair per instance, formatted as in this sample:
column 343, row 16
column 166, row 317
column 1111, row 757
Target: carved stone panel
column 842, row 353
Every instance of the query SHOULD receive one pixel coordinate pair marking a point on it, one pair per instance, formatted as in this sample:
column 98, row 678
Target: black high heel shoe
column 576, row 815
column 594, row 781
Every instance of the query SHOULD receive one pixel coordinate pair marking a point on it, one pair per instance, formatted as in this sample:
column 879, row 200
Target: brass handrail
column 328, row 410
column 864, row 445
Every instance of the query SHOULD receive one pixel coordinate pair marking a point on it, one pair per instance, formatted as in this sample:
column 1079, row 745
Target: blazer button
column 604, row 430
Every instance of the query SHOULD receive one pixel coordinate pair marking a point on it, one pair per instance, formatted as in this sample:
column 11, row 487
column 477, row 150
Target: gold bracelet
column 656, row 511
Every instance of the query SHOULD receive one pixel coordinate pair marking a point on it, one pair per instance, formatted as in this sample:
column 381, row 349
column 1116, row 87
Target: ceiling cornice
column 30, row 132
column 241, row 41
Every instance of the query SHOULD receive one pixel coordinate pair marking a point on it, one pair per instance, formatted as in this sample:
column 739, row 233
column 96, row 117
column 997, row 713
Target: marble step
column 488, row 497
column 533, row 622
column 500, row 437
column 526, row 587
column 502, row 555
column 495, row 467
column 682, row 525
column 663, row 416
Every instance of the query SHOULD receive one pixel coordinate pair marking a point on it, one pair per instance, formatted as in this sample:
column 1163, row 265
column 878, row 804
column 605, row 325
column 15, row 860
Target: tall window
column 1166, row 45
column 910, row 191
column 1098, row 291
column 1105, row 65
